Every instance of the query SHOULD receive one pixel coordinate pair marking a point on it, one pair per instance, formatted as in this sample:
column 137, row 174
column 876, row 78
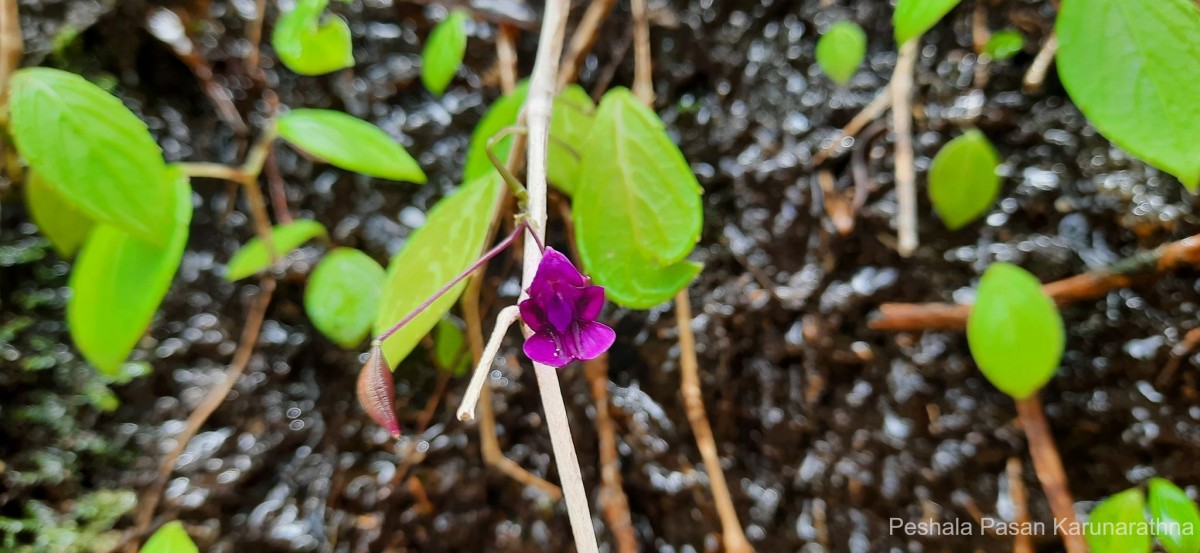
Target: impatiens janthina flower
column 377, row 392
column 561, row 310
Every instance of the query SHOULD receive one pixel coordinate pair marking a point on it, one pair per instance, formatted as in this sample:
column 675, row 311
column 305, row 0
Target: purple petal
column 555, row 268
column 544, row 348
column 532, row 314
column 588, row 339
column 591, row 303
column 559, row 307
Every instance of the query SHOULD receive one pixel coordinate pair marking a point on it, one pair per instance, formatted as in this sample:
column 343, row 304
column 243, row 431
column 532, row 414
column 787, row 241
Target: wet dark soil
column 827, row 429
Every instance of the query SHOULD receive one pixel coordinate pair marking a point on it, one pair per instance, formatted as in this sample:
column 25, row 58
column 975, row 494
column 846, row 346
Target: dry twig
column 582, row 40
column 12, row 45
column 643, row 74
column 870, row 112
column 1035, row 77
column 1049, row 468
column 1023, row 541
column 1085, row 286
column 612, row 496
column 906, row 177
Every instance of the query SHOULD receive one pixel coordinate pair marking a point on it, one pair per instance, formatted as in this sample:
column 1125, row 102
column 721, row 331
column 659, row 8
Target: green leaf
column 1177, row 515
column 93, row 150
column 450, row 347
column 962, row 179
column 350, row 143
column 841, row 50
column 1004, row 44
column 1119, row 511
column 58, row 219
column 637, row 209
column 1014, row 331
column 342, row 296
column 452, row 238
column 1131, row 66
column 254, row 255
column 444, row 51
column 119, row 281
column 913, row 18
column 570, row 123
column 309, row 46
column 170, row 538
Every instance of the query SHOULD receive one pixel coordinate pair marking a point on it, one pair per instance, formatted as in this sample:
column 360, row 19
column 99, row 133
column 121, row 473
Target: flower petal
column 559, row 307
column 588, row 339
column 591, row 303
column 532, row 314
column 544, row 348
column 555, row 268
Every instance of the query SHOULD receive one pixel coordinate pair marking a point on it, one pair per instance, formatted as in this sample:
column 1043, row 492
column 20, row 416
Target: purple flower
column 561, row 310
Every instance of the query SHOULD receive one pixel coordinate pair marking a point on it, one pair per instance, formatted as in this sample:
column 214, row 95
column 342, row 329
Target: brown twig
column 277, row 189
column 906, row 176
column 870, row 112
column 1179, row 352
column 1049, row 468
column 979, row 37
column 643, row 74
column 254, row 36
column 732, row 536
column 506, row 56
column 582, row 40
column 1035, row 77
column 612, row 496
column 1019, row 496
column 1085, row 286
column 213, row 400
column 12, row 45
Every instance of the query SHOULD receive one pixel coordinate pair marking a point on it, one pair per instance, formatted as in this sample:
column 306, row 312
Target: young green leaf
column 570, row 123
column 452, row 238
column 254, row 255
column 1119, row 510
column 1004, row 44
column 93, row 150
column 350, row 143
column 65, row 226
column 841, row 50
column 962, row 179
column 170, row 538
column 119, row 281
column 450, row 347
column 443, row 52
column 637, row 209
column 342, row 296
column 1014, row 331
column 309, row 46
column 1178, row 514
column 913, row 18
column 1130, row 66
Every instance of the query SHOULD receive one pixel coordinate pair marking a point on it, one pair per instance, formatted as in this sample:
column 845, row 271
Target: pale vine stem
column 643, row 79
column 12, row 45
column 881, row 103
column 538, row 106
column 906, row 178
column 1035, row 77
column 1022, row 542
column 732, row 535
column 582, row 40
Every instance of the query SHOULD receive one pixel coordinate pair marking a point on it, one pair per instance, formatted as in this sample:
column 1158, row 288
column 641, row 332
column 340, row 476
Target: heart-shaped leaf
column 962, row 179
column 119, row 281
column 1014, row 331
column 93, row 150
column 350, row 143
column 451, row 240
column 1177, row 515
column 254, row 255
column 1110, row 522
column 57, row 218
column 841, row 50
column 444, row 51
column 342, row 296
column 1131, row 66
column 309, row 46
column 637, row 208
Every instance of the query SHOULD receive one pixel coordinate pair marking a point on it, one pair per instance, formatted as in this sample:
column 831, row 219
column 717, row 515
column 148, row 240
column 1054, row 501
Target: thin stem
column 538, row 108
column 613, row 500
column 906, row 177
column 504, row 320
column 1049, row 468
column 518, row 189
column 504, row 244
column 12, row 45
column 581, row 42
column 207, row 170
